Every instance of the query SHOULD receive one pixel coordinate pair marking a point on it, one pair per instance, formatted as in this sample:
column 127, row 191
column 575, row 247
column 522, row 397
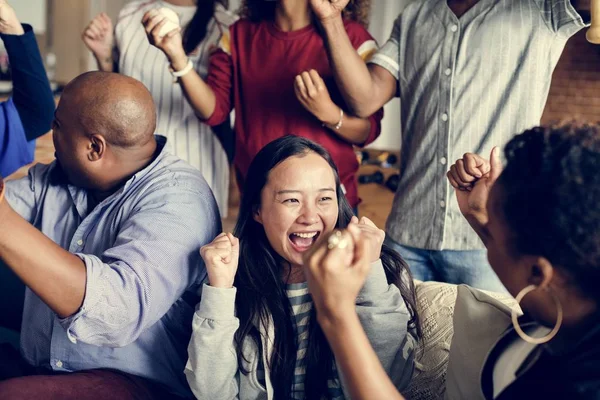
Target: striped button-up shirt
column 466, row 84
column 140, row 249
column 188, row 137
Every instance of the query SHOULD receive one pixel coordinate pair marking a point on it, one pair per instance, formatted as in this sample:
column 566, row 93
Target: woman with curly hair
column 539, row 219
column 271, row 67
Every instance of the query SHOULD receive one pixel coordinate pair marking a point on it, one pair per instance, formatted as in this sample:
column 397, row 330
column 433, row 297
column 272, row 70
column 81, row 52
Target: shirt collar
column 80, row 196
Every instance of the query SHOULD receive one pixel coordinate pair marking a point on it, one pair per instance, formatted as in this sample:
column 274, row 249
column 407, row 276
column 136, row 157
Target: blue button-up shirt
column 140, row 249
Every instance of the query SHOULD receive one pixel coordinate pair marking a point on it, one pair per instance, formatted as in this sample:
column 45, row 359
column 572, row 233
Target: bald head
column 115, row 106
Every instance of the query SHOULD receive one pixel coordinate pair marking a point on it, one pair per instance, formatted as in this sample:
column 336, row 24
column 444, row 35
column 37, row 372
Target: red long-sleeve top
column 253, row 72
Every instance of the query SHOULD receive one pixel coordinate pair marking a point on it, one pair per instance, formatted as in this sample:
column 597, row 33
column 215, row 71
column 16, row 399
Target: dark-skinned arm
column 364, row 374
column 365, row 88
column 52, row 273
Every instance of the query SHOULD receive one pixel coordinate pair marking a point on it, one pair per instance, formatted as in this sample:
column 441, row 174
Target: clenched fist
column 221, row 259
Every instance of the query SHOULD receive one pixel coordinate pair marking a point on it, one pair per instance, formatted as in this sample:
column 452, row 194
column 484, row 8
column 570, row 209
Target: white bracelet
column 339, row 124
column 185, row 70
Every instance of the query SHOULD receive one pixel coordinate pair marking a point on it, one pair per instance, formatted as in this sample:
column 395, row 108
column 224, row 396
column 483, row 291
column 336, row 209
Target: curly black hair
column 260, row 10
column 551, row 198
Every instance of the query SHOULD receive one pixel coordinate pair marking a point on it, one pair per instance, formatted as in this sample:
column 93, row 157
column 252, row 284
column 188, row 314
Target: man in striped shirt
column 470, row 75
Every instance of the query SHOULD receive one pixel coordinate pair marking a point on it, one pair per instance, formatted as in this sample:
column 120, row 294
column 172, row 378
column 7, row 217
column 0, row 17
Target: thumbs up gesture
column 473, row 177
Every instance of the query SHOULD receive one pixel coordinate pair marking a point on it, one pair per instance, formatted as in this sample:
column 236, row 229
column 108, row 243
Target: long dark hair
column 196, row 30
column 261, row 291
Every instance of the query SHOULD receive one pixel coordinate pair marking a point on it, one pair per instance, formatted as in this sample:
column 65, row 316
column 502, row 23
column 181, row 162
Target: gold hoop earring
column 521, row 333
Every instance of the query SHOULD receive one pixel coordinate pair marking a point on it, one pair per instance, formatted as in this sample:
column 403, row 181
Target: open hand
column 9, row 23
column 221, row 258
column 98, row 37
column 473, row 177
column 312, row 93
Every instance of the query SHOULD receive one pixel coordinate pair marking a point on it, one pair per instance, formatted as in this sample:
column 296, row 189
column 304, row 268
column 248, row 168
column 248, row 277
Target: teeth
column 305, row 235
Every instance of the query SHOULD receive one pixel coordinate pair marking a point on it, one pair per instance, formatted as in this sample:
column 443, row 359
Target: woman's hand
column 9, row 23
column 328, row 9
column 221, row 258
column 171, row 43
column 473, row 177
column 371, row 235
column 313, row 95
column 336, row 270
column 98, row 37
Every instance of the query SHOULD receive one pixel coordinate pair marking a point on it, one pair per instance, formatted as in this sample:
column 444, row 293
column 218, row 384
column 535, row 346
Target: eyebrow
column 298, row 191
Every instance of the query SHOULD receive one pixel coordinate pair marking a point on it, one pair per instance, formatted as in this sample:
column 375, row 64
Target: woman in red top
column 271, row 67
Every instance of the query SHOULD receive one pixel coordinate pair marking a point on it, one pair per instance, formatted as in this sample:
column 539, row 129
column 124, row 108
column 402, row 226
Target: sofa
column 435, row 304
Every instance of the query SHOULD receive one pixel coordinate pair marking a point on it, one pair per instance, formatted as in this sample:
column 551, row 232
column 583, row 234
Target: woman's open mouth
column 302, row 241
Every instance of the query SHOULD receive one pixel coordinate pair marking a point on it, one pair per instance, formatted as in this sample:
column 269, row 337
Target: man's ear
column 96, row 147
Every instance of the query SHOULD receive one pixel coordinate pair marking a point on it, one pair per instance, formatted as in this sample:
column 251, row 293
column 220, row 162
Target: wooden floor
column 376, row 199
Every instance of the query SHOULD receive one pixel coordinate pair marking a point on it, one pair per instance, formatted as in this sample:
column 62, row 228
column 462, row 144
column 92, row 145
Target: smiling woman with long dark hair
column 255, row 333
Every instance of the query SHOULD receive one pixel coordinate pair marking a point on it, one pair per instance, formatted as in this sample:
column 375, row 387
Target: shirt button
column 448, row 71
column 443, row 160
column 59, row 364
column 442, row 204
column 444, row 117
column 454, row 28
column 71, row 338
column 80, row 242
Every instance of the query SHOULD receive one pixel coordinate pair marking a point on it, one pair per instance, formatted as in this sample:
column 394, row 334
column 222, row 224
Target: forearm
column 351, row 73
column 200, row 96
column 478, row 223
column 354, row 129
column 32, row 95
column 211, row 349
column 359, row 364
column 105, row 64
column 52, row 273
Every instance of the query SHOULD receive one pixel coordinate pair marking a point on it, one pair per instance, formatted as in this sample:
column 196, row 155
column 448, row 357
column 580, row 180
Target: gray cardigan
column 212, row 368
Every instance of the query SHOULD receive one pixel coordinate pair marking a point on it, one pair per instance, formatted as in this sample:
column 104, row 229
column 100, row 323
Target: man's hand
column 328, row 9
column 473, row 177
column 9, row 23
column 98, row 37
column 221, row 259
column 312, row 93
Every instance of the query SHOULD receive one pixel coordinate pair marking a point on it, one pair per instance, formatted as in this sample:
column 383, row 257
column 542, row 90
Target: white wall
column 383, row 15
column 32, row 12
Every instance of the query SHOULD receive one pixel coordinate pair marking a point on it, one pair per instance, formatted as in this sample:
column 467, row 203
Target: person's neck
column 129, row 164
column 294, row 274
column 182, row 3
column 571, row 333
column 292, row 15
column 459, row 7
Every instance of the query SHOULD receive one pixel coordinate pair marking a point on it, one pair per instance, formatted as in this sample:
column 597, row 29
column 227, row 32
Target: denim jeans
column 470, row 267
